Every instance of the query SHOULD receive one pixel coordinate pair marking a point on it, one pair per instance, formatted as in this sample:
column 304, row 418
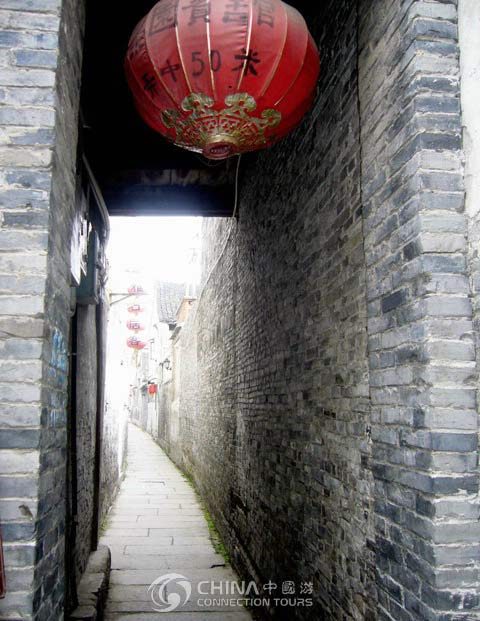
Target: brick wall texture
column 38, row 120
column 328, row 371
column 422, row 356
column 86, row 415
column 41, row 45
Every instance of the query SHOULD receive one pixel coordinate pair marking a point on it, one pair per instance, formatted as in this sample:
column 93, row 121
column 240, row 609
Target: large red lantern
column 222, row 76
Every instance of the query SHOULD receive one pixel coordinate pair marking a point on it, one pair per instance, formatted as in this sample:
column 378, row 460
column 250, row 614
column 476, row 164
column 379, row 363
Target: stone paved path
column 156, row 527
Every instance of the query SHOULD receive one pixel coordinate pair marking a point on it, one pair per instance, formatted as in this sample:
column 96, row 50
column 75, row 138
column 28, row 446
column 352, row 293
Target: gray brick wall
column 41, row 45
column 166, row 436
column 28, row 123
column 115, row 420
column 328, row 373
column 421, row 341
column 86, row 396
column 50, row 546
column 277, row 433
column 40, row 70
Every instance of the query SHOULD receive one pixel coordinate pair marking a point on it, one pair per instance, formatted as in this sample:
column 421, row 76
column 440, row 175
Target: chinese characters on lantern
column 199, row 11
column 164, row 16
column 200, row 64
column 236, row 11
column 248, row 63
column 266, row 11
column 249, row 60
column 149, row 83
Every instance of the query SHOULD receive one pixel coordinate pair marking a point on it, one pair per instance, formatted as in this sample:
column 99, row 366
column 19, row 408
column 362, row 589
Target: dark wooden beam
column 170, row 200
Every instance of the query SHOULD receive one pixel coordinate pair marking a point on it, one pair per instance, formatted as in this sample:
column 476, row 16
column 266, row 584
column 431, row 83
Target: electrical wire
column 237, row 175
column 233, row 223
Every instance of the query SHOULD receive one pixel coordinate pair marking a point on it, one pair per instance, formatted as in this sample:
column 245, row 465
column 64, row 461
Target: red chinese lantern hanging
column 135, row 309
column 222, row 77
column 136, row 326
column 135, row 343
column 136, row 290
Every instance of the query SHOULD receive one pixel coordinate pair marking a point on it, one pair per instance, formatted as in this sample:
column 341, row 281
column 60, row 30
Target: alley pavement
column 157, row 533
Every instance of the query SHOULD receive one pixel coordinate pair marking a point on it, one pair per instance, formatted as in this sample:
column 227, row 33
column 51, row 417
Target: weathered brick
column 29, row 263
column 32, row 136
column 19, row 392
column 17, row 604
column 34, row 40
column 30, row 178
column 18, row 531
column 441, row 441
column 20, row 487
column 27, row 77
column 26, row 305
column 19, row 284
column 19, row 438
column 20, row 579
column 27, row 116
column 20, row 349
column 393, row 301
column 25, row 327
column 26, row 219
column 14, row 240
column 15, row 462
column 18, row 510
column 28, row 21
column 15, row 156
column 19, row 555
column 35, row 58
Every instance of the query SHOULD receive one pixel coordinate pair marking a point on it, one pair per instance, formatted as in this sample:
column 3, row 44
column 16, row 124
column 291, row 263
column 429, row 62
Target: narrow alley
column 157, row 529
column 240, row 238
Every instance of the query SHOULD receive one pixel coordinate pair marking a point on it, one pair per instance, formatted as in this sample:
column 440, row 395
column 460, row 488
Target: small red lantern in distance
column 152, row 389
column 222, row 77
column 135, row 309
column 135, row 325
column 136, row 290
column 135, row 343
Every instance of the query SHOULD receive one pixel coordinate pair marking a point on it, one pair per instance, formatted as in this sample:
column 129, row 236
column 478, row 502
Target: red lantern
column 135, row 343
column 135, row 309
column 222, row 77
column 152, row 389
column 135, row 326
column 136, row 290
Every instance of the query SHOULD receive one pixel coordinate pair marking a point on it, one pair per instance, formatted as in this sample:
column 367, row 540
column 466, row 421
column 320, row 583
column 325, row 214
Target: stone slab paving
column 156, row 527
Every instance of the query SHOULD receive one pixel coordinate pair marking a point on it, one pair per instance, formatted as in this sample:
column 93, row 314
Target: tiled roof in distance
column 169, row 295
